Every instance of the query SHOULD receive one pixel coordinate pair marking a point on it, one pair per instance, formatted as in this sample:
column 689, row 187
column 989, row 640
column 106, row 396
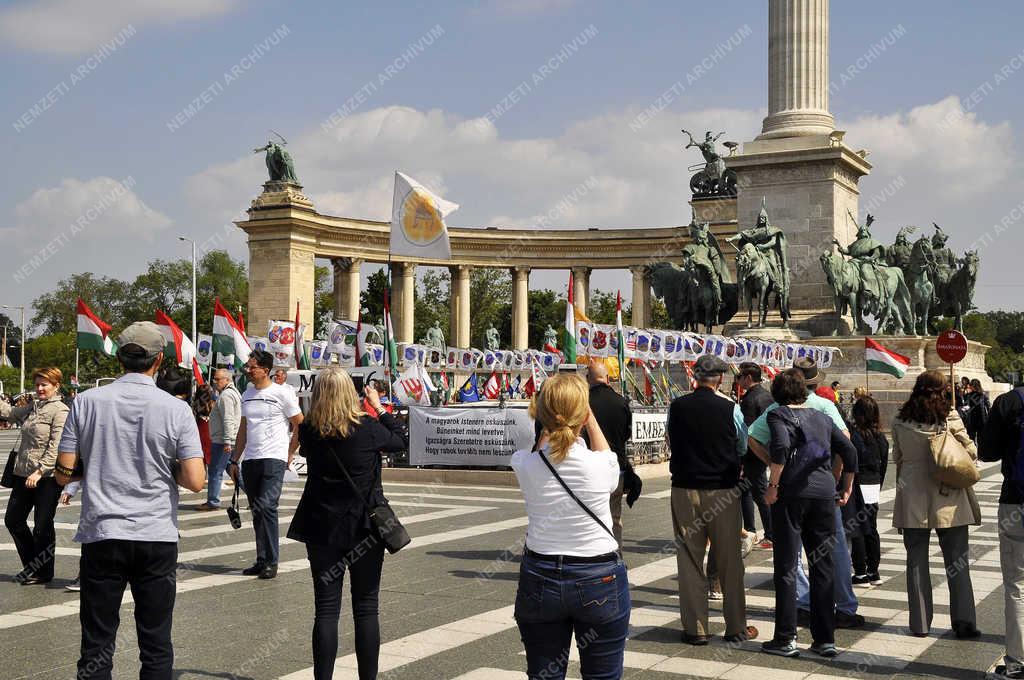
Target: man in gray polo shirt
column 136, row 443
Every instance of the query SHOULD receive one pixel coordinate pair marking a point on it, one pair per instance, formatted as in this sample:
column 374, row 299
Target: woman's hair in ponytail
column 562, row 407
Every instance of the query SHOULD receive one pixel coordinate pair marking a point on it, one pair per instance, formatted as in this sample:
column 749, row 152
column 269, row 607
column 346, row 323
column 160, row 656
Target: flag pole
column 388, row 368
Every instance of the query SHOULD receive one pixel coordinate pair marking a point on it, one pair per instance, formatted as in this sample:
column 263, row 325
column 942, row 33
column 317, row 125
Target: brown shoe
column 696, row 640
column 206, row 507
column 750, row 633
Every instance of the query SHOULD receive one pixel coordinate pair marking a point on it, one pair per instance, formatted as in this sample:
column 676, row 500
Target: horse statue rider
column 883, row 288
column 919, row 273
column 945, row 261
column 705, row 255
column 770, row 243
column 898, row 254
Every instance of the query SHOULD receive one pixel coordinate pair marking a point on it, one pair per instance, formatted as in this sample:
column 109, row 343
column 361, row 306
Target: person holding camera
column 136, row 445
column 570, row 546
column 342, row 443
column 34, row 489
column 265, row 448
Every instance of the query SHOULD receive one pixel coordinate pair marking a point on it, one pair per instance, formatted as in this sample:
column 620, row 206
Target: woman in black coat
column 332, row 519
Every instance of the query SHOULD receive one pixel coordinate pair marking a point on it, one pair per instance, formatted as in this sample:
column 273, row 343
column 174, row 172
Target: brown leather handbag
column 954, row 466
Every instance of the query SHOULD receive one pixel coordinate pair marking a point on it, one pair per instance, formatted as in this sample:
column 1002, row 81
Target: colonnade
column 347, row 272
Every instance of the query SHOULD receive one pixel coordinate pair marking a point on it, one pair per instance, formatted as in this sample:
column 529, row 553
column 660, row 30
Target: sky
column 127, row 125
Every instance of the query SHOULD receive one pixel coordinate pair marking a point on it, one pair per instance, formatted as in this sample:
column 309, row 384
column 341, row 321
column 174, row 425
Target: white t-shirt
column 266, row 414
column 557, row 524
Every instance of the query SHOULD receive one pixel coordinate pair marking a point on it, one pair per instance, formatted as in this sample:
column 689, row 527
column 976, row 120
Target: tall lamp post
column 21, row 354
column 195, row 338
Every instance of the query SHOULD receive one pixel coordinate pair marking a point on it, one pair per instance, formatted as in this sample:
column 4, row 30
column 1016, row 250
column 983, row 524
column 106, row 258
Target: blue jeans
column 555, row 600
column 263, row 480
column 215, row 474
column 842, row 582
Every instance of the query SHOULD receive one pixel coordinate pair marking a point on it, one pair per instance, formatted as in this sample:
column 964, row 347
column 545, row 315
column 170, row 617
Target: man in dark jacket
column 1000, row 440
column 611, row 410
column 708, row 438
column 756, row 400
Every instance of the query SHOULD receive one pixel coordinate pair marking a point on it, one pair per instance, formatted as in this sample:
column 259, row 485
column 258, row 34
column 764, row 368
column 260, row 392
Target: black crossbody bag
column 7, row 481
column 572, row 495
column 383, row 518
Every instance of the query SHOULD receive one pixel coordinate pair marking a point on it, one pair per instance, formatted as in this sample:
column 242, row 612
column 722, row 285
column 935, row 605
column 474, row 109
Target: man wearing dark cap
column 136, row 444
column 707, row 436
column 756, row 400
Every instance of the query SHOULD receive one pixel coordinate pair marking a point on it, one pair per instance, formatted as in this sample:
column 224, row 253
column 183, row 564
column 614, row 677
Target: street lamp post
column 195, row 338
column 21, row 354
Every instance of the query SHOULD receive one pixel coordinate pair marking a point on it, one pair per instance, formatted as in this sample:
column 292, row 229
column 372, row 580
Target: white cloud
column 74, row 27
column 950, row 167
column 98, row 208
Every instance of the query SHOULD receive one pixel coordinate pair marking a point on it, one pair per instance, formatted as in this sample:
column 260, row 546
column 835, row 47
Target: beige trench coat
column 920, row 501
column 41, row 425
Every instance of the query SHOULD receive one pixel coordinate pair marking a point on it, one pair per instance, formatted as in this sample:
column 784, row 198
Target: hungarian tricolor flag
column 93, row 333
column 179, row 346
column 301, row 351
column 492, row 388
column 363, row 354
column 621, row 338
column 228, row 336
column 390, row 348
column 569, row 332
column 881, row 360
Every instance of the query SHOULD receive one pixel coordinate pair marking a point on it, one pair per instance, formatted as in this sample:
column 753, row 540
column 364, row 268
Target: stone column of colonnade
column 641, row 296
column 520, row 307
column 403, row 291
column 458, row 317
column 346, row 287
column 581, row 288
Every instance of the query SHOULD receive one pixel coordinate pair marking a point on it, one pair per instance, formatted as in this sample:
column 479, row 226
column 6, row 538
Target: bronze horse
column 758, row 279
column 687, row 295
column 955, row 300
column 844, row 279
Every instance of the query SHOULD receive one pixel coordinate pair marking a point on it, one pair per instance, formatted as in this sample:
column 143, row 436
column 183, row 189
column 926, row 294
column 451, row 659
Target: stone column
column 797, row 69
column 580, row 287
column 648, row 318
column 641, row 296
column 404, row 287
column 346, row 287
column 458, row 334
column 520, row 307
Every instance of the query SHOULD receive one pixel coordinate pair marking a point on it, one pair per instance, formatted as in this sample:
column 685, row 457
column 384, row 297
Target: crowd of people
column 780, row 451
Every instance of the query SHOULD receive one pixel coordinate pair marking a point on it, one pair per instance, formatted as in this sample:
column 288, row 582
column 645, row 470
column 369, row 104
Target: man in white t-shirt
column 266, row 448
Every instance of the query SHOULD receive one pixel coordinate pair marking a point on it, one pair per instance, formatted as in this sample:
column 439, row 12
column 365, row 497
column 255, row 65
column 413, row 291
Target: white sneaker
column 747, row 543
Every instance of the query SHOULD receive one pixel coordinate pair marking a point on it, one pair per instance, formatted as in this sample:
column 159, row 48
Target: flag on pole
column 228, row 336
column 492, row 388
column 621, row 344
column 92, row 332
column 469, row 390
column 417, row 221
column 414, row 386
column 390, row 348
column 179, row 346
column 301, row 351
column 881, row 360
column 198, row 373
column 241, row 321
column 363, row 353
column 569, row 332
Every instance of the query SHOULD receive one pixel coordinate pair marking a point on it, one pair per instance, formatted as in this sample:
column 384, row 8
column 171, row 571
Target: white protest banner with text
column 467, row 436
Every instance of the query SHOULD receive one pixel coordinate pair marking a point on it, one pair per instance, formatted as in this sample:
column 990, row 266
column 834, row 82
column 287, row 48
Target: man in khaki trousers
column 708, row 438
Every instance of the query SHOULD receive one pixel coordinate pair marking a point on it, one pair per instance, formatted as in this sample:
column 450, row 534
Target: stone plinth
column 808, row 183
column 891, row 392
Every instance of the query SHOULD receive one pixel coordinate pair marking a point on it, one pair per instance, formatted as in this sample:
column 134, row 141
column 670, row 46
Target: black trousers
column 36, row 546
column 754, row 471
column 328, row 564
column 866, row 545
column 812, row 522
column 263, row 479
column 148, row 567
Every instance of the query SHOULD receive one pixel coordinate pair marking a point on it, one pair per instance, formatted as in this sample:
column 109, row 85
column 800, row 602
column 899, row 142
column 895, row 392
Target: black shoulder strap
column 355, row 489
column 572, row 495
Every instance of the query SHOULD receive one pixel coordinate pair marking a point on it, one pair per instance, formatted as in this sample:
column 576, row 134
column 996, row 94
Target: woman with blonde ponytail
column 572, row 577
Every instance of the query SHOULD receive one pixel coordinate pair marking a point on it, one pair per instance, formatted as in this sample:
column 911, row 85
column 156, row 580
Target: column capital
column 520, row 270
column 346, row 263
column 640, row 270
column 456, row 269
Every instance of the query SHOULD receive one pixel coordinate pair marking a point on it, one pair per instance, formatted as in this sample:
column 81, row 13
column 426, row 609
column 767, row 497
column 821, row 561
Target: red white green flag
column 228, row 336
column 301, row 350
column 881, row 360
column 569, row 332
column 390, row 348
column 179, row 346
column 92, row 332
column 621, row 338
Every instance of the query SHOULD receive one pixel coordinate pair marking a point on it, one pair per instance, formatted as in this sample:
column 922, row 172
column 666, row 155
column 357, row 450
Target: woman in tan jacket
column 922, row 504
column 35, row 489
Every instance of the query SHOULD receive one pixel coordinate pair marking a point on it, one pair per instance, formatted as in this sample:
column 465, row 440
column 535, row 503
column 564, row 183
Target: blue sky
column 113, row 123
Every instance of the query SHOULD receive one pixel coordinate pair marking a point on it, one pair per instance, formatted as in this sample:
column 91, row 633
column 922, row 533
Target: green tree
column 490, row 295
column 371, row 300
column 55, row 311
column 219, row 276
column 601, row 307
column 544, row 307
column 323, row 301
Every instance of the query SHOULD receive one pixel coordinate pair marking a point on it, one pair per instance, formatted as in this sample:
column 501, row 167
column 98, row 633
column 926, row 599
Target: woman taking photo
column 922, row 504
column 802, row 493
column 570, row 549
column 332, row 519
column 872, row 460
column 35, row 490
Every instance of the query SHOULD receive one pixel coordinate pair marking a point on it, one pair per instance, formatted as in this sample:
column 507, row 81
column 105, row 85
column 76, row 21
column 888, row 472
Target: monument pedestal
column 891, row 392
column 736, row 328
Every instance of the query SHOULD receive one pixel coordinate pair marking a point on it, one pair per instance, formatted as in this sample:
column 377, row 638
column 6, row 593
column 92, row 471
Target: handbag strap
column 234, row 497
column 355, row 489
column 572, row 495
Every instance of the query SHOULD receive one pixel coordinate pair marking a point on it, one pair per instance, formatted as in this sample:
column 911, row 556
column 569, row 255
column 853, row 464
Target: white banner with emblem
column 467, row 436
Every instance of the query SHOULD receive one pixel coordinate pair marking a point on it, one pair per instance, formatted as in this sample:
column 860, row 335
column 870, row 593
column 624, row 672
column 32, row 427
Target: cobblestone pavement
column 446, row 602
